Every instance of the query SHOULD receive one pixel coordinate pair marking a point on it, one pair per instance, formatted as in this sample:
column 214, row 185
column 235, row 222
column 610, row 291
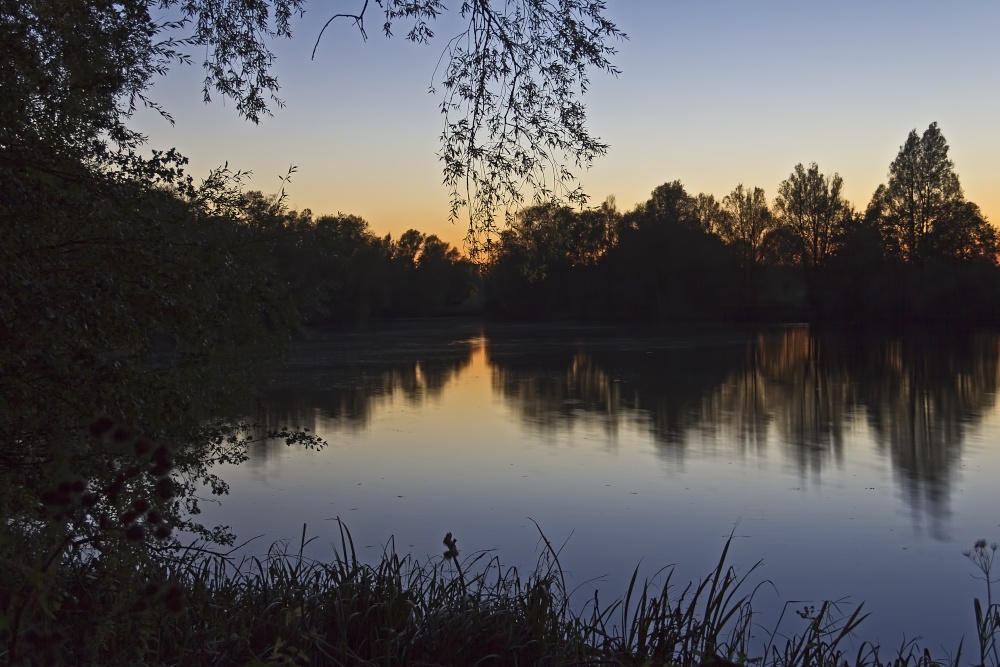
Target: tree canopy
column 810, row 255
column 510, row 82
column 922, row 208
column 747, row 223
column 810, row 204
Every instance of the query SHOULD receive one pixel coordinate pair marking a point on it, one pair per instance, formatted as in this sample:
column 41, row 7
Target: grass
column 285, row 609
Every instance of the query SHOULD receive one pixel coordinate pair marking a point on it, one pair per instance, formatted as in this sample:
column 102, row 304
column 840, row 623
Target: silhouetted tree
column 537, row 254
column 597, row 231
column 940, row 252
column 407, row 247
column 922, row 186
column 782, row 246
column 545, row 232
column 670, row 203
column 351, row 266
column 747, row 222
column 960, row 231
column 441, row 278
column 709, row 213
column 810, row 204
column 854, row 282
column 666, row 265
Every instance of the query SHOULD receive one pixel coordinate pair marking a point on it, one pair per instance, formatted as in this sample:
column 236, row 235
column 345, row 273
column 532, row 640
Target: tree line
column 919, row 251
column 334, row 269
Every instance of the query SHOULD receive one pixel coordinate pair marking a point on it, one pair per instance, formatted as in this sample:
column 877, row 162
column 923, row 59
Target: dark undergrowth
column 200, row 608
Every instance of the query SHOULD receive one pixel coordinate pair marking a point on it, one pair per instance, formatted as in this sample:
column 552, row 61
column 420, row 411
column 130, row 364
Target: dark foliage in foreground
column 197, row 608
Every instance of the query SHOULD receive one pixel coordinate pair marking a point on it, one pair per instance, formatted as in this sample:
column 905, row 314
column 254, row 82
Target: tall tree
column 922, row 186
column 747, row 222
column 810, row 204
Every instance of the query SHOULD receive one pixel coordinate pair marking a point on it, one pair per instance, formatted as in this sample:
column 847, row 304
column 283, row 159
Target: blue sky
column 713, row 93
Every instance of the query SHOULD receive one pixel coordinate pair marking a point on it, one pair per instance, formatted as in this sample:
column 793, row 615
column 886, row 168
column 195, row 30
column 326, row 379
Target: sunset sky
column 713, row 93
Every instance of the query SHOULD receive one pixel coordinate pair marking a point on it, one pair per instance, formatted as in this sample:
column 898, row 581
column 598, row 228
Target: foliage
column 510, row 81
column 138, row 314
column 552, row 235
column 667, row 266
column 747, row 223
column 656, row 261
column 810, row 204
column 709, row 212
column 284, row 608
column 961, row 232
column 338, row 271
column 512, row 119
column 128, row 296
column 678, row 256
column 922, row 201
column 133, row 301
column 669, row 204
column 92, row 550
column 72, row 72
column 139, row 310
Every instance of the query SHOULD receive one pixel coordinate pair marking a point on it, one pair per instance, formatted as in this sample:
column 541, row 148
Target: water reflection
column 336, row 383
column 919, row 396
column 785, row 394
column 922, row 397
column 658, row 383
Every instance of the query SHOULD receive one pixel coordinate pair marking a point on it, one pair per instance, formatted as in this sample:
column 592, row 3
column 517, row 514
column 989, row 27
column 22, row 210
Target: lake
column 854, row 467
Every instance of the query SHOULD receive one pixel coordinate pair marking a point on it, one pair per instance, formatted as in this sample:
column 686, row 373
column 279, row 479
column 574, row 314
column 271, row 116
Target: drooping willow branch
column 514, row 126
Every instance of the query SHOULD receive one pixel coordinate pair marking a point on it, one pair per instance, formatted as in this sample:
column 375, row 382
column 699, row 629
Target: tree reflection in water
column 919, row 396
column 922, row 397
column 336, row 383
column 728, row 394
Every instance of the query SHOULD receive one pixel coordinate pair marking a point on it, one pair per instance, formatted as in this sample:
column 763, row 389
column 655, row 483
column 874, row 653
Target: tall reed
column 283, row 608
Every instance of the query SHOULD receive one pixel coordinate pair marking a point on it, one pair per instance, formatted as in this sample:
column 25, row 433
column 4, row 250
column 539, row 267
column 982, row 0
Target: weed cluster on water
column 202, row 608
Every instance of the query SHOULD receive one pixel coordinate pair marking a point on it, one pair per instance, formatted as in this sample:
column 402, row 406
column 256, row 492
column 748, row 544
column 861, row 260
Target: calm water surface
column 857, row 469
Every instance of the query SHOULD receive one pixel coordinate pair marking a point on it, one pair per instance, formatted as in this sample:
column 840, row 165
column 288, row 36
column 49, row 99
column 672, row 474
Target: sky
column 713, row 93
